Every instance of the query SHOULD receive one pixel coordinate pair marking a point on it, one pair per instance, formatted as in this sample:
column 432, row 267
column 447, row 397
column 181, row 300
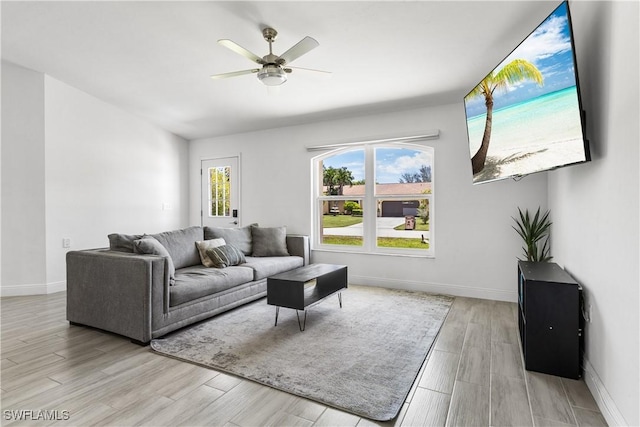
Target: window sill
column 362, row 252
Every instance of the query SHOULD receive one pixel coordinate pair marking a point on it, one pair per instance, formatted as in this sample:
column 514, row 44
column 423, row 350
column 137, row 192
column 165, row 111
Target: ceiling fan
column 274, row 68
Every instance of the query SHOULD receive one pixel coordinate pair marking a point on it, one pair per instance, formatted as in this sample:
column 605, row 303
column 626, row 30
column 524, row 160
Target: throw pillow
column 179, row 244
column 208, row 244
column 122, row 242
column 238, row 237
column 225, row 256
column 269, row 241
column 151, row 246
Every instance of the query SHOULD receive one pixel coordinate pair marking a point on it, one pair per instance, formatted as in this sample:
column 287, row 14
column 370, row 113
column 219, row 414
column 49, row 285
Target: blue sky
column 549, row 49
column 391, row 163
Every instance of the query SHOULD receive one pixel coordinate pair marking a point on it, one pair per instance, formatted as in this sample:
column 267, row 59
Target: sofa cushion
column 268, row 266
column 269, row 241
column 203, row 245
column 122, row 242
column 181, row 245
column 225, row 256
column 199, row 281
column 150, row 246
column 238, row 237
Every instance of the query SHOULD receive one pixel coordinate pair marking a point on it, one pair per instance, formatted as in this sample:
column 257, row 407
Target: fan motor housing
column 272, row 75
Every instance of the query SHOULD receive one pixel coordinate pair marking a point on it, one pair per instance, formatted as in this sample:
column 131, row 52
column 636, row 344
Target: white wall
column 595, row 206
column 106, row 171
column 476, row 248
column 94, row 170
column 23, row 189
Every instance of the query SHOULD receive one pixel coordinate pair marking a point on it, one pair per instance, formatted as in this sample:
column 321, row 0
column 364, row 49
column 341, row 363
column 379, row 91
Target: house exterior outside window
column 375, row 199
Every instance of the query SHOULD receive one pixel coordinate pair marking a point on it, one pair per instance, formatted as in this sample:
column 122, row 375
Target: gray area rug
column 362, row 358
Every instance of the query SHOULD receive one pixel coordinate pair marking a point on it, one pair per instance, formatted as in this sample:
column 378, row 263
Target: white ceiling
column 154, row 58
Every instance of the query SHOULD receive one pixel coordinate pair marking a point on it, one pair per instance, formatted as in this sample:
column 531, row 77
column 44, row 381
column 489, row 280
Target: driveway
column 385, row 229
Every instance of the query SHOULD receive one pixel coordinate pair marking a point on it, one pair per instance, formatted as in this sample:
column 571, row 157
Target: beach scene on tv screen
column 524, row 117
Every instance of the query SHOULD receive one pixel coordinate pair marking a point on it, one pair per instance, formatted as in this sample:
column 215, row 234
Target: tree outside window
column 220, row 191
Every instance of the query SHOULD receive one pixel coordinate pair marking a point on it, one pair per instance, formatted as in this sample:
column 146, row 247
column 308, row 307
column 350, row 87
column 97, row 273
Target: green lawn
column 387, row 242
column 330, row 221
column 400, row 242
column 342, row 240
column 419, row 226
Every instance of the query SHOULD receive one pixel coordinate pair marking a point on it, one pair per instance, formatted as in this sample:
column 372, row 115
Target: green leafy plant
column 349, row 206
column 423, row 211
column 535, row 233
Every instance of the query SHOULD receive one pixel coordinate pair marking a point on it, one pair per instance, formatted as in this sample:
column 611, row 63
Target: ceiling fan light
column 272, row 75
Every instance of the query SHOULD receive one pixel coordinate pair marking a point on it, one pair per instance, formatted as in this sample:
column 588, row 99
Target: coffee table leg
column 304, row 323
column 340, row 298
column 277, row 310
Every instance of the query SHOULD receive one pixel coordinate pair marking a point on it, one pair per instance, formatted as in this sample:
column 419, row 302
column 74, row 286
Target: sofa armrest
column 116, row 291
column 298, row 245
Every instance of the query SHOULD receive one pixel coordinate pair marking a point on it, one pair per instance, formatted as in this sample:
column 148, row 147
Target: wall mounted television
column 526, row 115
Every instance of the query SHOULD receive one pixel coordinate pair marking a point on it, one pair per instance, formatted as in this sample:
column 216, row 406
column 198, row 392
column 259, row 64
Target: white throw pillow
column 208, row 244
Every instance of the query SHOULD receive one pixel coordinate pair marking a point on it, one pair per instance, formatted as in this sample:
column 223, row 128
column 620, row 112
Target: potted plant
column 535, row 233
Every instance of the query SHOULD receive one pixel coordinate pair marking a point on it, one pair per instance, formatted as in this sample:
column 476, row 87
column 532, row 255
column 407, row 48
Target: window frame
column 225, row 184
column 370, row 203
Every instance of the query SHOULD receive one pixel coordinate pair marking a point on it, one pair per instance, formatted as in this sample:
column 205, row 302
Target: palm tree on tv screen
column 514, row 72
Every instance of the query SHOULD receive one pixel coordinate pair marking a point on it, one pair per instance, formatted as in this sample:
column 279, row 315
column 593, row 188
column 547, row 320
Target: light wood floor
column 474, row 376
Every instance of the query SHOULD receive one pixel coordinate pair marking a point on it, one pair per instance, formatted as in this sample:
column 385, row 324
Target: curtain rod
column 432, row 134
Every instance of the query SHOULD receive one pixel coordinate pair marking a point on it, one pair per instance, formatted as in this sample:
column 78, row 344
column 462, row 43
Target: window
column 375, row 199
column 219, row 191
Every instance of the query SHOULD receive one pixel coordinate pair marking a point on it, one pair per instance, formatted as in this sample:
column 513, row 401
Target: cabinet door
column 552, row 315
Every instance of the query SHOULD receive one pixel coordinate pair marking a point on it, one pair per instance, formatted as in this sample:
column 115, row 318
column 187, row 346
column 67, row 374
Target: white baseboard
column 441, row 288
column 607, row 406
column 34, row 289
column 56, row 287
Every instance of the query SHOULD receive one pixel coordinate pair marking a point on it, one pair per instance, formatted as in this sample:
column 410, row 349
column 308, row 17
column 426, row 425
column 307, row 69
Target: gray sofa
column 147, row 295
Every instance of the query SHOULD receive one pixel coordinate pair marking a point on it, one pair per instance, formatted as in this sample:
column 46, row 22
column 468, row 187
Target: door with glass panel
column 220, row 192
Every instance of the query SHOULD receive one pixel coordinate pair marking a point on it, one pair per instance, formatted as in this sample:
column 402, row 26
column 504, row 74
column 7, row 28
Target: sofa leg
column 140, row 343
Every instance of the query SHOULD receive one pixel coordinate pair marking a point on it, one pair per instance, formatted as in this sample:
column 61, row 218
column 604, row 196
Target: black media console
column 550, row 320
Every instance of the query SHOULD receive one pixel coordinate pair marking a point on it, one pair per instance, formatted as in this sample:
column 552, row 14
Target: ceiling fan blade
column 234, row 74
column 242, row 51
column 323, row 75
column 327, row 73
column 299, row 49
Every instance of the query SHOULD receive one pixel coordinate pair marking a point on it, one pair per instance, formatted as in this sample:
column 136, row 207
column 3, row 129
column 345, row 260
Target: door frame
column 238, row 184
